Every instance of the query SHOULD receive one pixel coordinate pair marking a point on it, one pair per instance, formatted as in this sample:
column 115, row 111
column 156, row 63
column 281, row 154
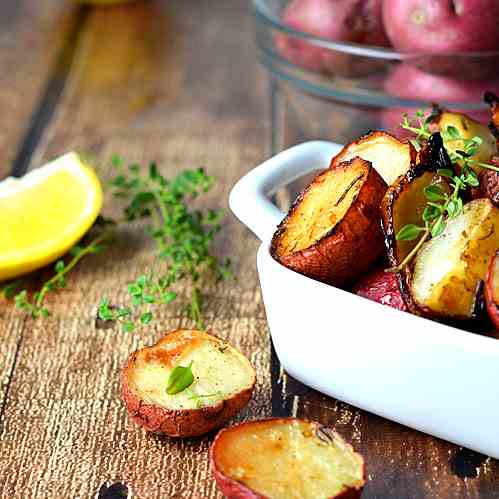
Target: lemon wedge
column 46, row 212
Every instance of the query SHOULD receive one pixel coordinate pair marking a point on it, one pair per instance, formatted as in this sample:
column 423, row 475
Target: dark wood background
column 175, row 81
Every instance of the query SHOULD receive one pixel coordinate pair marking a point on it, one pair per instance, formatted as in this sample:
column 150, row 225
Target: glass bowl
column 379, row 77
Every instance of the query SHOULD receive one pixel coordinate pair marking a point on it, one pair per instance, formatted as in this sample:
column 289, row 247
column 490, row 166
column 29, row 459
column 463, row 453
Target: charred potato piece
column 382, row 287
column 468, row 128
column 493, row 100
column 492, row 290
column 332, row 232
column 448, row 268
column 285, row 459
column 390, row 157
column 405, row 201
column 223, row 383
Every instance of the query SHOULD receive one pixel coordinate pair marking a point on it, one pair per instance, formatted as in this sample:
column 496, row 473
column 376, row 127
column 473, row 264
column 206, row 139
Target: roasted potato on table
column 492, row 290
column 332, row 232
column 382, row 287
column 389, row 156
column 221, row 385
column 449, row 268
column 285, row 459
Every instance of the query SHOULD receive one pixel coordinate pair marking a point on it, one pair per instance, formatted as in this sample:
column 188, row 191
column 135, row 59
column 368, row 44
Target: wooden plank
column 145, row 86
column 32, row 38
column 401, row 463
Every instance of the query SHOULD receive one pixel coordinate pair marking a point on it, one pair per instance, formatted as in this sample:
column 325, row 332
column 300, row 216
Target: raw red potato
column 442, row 26
column 337, row 20
column 285, row 458
column 382, row 287
column 492, row 290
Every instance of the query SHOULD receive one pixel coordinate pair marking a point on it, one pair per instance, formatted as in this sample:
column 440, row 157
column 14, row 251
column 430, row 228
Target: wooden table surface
column 176, row 81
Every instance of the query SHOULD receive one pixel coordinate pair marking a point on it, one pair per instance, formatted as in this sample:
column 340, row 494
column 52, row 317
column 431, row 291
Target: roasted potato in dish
column 493, row 100
column 389, row 156
column 448, row 268
column 285, row 459
column 492, row 290
column 382, row 287
column 221, row 385
column 468, row 128
column 405, row 200
column 332, row 232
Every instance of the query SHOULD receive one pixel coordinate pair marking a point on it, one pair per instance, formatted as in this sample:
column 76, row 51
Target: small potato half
column 389, row 156
column 449, row 268
column 492, row 290
column 224, row 380
column 285, row 458
column 332, row 232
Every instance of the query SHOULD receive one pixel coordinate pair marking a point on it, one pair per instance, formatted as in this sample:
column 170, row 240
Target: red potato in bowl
column 222, row 384
column 382, row 287
column 332, row 233
column 336, row 20
column 492, row 290
column 438, row 26
column 285, row 458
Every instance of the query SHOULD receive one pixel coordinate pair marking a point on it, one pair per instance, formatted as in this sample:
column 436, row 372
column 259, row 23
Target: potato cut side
column 448, row 268
column 223, row 383
column 468, row 128
column 389, row 156
column 332, row 232
column 285, row 459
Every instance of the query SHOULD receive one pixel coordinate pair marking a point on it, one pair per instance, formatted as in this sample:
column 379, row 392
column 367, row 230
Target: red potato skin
column 382, row 287
column 337, row 20
column 234, row 489
column 345, row 252
column 179, row 423
column 442, row 26
column 490, row 302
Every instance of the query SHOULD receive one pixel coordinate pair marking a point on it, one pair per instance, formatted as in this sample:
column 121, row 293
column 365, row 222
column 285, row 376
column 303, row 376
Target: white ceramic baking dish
column 426, row 375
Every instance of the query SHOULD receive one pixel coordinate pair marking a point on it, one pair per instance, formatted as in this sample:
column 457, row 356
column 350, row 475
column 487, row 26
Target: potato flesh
column 217, row 369
column 389, row 157
column 448, row 268
column 288, row 461
column 468, row 129
column 322, row 207
column 495, row 280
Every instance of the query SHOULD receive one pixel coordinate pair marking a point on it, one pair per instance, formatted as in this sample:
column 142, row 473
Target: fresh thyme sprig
column 183, row 238
column 35, row 304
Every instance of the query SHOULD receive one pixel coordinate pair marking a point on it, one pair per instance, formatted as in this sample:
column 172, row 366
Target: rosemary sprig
column 183, row 238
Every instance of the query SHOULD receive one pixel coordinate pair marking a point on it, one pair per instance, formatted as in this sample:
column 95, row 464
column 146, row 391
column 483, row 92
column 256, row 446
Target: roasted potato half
column 285, row 459
column 390, row 157
column 468, row 128
column 223, row 381
column 405, row 201
column 332, row 232
column 449, row 268
column 492, row 290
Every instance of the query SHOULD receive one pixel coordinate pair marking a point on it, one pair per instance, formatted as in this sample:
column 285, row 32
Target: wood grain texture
column 144, row 85
column 401, row 463
column 32, row 35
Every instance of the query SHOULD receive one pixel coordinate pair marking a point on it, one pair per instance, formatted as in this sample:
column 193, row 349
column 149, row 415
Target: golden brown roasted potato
column 285, row 459
column 448, row 268
column 390, row 157
column 223, row 383
column 332, row 232
column 468, row 128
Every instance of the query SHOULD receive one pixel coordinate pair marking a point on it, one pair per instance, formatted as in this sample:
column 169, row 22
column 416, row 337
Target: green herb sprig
column 35, row 303
column 183, row 238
